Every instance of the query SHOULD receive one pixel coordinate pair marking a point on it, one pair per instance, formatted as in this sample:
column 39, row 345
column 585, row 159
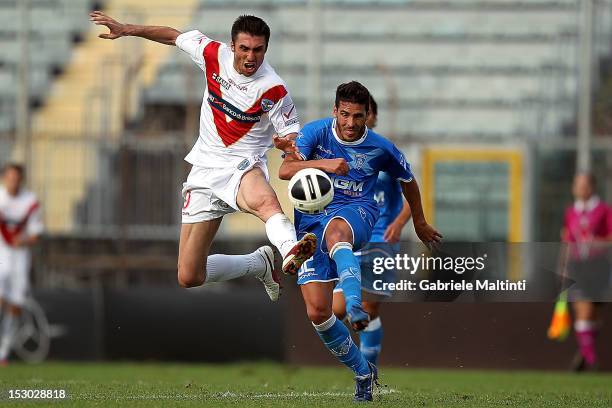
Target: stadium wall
column 234, row 324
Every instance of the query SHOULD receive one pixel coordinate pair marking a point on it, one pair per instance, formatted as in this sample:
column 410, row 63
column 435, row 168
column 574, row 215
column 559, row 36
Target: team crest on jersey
column 266, row 105
column 360, row 160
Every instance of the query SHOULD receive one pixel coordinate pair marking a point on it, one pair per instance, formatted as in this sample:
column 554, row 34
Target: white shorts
column 210, row 193
column 14, row 271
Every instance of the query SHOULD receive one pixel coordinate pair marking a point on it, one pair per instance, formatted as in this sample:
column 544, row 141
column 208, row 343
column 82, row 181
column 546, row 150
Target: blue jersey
column 366, row 157
column 388, row 196
column 353, row 194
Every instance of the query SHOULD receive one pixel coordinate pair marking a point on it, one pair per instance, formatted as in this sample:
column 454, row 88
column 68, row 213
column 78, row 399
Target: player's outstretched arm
column 291, row 165
column 160, row 34
column 287, row 145
column 424, row 231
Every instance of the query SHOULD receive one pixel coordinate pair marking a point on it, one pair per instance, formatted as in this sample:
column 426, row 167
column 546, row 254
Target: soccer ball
column 310, row 191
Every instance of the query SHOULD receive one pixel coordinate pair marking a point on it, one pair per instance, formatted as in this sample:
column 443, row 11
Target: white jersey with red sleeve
column 239, row 113
column 20, row 215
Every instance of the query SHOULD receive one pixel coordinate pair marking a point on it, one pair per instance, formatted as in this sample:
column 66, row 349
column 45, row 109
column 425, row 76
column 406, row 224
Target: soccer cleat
column 357, row 317
column 364, row 385
column 579, row 364
column 270, row 278
column 300, row 253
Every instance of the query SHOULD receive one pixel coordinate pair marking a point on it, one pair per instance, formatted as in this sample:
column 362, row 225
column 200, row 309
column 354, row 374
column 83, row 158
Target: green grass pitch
column 267, row 384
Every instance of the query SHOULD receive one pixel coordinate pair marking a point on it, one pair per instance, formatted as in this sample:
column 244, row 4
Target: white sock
column 326, row 324
column 220, row 268
column 9, row 324
column 585, row 325
column 281, row 233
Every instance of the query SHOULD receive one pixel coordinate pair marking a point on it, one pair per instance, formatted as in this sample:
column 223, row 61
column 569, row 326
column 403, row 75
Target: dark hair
column 373, row 105
column 14, row 166
column 353, row 92
column 252, row 25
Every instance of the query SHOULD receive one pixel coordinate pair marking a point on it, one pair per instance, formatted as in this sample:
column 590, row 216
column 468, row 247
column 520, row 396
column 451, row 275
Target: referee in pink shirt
column 586, row 228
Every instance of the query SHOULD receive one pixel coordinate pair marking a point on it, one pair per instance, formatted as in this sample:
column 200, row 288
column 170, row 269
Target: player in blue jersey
column 352, row 155
column 394, row 214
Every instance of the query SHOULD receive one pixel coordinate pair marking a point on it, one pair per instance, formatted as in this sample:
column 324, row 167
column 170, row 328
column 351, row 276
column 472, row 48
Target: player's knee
column 189, row 277
column 269, row 204
column 319, row 315
column 190, row 281
column 336, row 235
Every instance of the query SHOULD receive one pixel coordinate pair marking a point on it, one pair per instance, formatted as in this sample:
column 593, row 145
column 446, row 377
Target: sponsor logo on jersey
column 291, row 121
column 221, row 81
column 227, row 83
column 230, row 110
column 349, row 187
column 242, row 88
column 287, row 110
column 266, row 105
column 243, row 164
column 289, row 114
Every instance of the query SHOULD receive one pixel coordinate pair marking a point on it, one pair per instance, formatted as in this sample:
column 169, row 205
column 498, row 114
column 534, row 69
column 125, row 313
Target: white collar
column 588, row 205
column 354, row 142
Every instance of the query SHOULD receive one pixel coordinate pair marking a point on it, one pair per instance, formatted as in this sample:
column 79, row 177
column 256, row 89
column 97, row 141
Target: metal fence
column 108, row 188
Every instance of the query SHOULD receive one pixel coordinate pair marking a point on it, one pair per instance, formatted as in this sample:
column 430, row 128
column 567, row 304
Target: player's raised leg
column 339, row 239
column 196, row 267
column 194, row 245
column 255, row 195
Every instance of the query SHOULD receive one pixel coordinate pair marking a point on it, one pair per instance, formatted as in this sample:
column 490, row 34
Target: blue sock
column 338, row 341
column 370, row 341
column 349, row 273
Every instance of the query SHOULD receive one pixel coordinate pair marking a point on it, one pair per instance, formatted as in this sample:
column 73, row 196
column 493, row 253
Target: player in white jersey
column 20, row 227
column 244, row 103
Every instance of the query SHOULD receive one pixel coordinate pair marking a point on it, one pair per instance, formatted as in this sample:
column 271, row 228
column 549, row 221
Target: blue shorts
column 321, row 268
